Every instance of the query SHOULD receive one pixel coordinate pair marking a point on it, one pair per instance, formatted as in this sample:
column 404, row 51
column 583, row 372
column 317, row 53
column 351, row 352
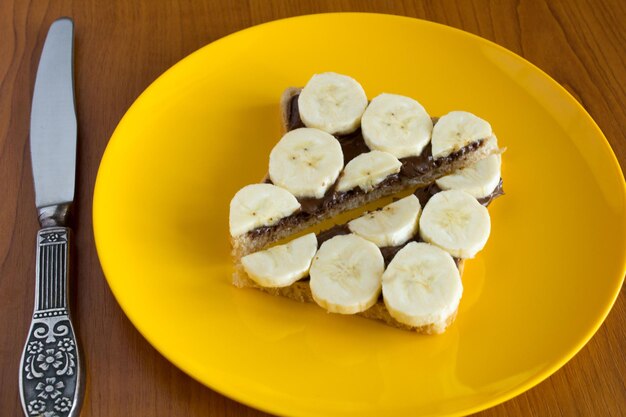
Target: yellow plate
column 541, row 288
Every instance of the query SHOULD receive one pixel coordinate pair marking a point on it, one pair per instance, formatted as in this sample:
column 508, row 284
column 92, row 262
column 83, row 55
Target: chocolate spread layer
column 342, row 229
column 353, row 145
column 423, row 194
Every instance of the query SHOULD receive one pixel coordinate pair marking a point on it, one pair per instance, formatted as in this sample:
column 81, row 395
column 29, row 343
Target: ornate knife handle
column 51, row 376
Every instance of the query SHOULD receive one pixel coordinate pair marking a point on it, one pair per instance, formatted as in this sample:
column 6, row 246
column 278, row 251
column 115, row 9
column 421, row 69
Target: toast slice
column 300, row 290
column 341, row 152
column 415, row 172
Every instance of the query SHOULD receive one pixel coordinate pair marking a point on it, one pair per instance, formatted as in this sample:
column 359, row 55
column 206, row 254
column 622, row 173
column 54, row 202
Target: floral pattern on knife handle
column 50, row 371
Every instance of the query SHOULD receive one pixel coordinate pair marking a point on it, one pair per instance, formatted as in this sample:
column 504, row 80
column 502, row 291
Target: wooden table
column 122, row 46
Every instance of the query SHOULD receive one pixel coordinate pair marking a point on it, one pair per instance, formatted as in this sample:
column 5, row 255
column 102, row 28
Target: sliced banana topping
column 259, row 205
column 333, row 103
column 396, row 124
column 392, row 225
column 422, row 286
column 368, row 170
column 456, row 130
column 306, row 162
column 346, row 274
column 491, row 142
column 479, row 179
column 282, row 265
column 456, row 222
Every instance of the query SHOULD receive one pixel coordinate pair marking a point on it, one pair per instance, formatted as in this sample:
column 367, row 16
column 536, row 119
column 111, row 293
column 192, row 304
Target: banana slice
column 456, row 222
column 346, row 274
column 259, row 205
column 281, row 266
column 422, row 286
column 333, row 103
column 491, row 142
column 456, row 130
column 368, row 170
column 392, row 225
column 479, row 180
column 306, row 162
column 396, row 124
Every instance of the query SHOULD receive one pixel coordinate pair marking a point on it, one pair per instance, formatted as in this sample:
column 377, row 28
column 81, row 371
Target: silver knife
column 51, row 376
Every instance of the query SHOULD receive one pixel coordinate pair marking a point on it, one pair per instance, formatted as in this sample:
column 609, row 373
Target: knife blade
column 53, row 119
column 51, row 374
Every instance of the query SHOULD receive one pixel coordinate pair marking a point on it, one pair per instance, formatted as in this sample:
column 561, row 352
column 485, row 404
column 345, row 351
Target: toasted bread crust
column 300, row 291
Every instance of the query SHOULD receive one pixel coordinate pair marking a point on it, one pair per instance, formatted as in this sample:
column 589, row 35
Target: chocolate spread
column 423, row 194
column 353, row 145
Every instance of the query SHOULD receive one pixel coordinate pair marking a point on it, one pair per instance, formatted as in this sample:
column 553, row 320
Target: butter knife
column 51, row 377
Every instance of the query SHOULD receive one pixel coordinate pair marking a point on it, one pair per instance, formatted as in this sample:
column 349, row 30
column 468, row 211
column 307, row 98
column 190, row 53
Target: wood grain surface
column 122, row 46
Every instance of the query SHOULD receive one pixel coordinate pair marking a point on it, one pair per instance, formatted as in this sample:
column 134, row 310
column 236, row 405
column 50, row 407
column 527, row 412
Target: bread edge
column 301, row 292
